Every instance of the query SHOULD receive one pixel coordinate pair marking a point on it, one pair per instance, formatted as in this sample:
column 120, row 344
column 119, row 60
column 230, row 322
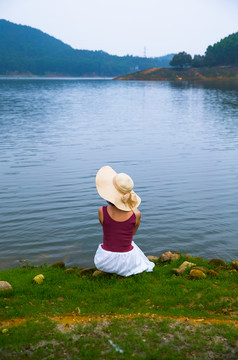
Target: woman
column 120, row 220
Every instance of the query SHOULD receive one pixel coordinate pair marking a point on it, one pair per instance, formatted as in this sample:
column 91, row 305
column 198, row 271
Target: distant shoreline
column 54, row 77
column 189, row 74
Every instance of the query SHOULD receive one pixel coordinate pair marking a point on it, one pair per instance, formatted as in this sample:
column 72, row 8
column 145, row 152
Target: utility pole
column 145, row 51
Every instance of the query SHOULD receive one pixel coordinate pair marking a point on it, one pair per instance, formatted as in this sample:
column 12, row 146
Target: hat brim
column 106, row 189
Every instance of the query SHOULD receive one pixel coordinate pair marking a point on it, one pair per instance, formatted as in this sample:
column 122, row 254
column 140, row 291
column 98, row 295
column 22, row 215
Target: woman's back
column 117, row 230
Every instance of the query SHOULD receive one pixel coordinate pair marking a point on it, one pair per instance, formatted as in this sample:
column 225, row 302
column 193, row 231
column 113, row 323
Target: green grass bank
column 158, row 315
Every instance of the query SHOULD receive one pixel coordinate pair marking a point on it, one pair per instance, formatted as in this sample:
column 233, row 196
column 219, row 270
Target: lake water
column 178, row 141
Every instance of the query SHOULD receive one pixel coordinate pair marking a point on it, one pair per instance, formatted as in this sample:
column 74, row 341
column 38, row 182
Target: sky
column 135, row 27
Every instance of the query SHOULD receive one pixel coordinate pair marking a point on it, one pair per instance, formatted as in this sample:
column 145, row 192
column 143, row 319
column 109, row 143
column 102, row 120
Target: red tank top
column 117, row 235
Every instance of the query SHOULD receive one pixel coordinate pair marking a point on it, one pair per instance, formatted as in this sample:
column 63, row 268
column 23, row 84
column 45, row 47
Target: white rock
column 5, row 286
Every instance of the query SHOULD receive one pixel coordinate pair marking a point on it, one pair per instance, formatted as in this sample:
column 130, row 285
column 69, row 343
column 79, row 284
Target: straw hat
column 117, row 189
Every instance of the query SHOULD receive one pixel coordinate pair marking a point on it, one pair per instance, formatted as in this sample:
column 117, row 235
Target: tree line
column 224, row 52
column 25, row 50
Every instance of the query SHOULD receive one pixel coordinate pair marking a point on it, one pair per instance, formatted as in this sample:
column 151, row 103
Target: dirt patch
column 11, row 322
column 148, row 71
column 74, row 319
column 66, row 322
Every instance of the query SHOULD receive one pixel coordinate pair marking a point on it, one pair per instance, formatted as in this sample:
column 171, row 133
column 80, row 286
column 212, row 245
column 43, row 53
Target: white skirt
column 122, row 263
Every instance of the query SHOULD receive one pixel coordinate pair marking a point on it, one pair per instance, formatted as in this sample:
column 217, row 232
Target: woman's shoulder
column 102, row 208
column 137, row 212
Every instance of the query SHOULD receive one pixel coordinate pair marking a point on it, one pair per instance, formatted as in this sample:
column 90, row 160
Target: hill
column 25, row 50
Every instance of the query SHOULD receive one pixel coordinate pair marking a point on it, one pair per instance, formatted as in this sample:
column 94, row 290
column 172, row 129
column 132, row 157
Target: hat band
column 120, row 190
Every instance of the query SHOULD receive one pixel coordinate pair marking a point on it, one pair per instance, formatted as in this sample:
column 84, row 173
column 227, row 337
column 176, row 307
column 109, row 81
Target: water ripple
column 179, row 142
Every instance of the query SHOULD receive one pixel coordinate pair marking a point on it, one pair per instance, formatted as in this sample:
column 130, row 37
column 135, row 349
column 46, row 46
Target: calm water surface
column 179, row 143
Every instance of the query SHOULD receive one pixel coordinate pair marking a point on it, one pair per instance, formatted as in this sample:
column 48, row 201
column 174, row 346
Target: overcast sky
column 124, row 27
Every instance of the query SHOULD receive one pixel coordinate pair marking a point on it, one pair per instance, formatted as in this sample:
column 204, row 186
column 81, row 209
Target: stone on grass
column 38, row 279
column 99, row 273
column 69, row 271
column 183, row 267
column 86, row 271
column 212, row 273
column 152, row 258
column 197, row 274
column 175, row 257
column 217, row 263
column 169, row 256
column 59, row 264
column 201, row 268
column 5, row 286
column 198, row 258
column 234, row 264
column 165, row 256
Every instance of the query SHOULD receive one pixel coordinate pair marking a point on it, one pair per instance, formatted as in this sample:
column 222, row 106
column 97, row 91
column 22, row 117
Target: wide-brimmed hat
column 117, row 189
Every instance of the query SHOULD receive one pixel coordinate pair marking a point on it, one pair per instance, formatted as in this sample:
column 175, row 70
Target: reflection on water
column 178, row 141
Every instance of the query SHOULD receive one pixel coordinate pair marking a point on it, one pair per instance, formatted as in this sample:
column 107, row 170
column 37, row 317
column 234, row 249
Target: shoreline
column 219, row 73
column 18, row 263
column 89, row 265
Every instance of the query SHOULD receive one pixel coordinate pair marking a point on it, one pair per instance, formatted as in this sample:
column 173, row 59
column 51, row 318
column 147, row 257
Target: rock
column 201, row 268
column 5, row 286
column 99, row 273
column 38, row 279
column 188, row 256
column 177, row 271
column 185, row 265
column 165, row 256
column 175, row 257
column 86, row 271
column 197, row 274
column 69, row 271
column 198, row 258
column 59, row 264
column 152, row 258
column 234, row 264
column 212, row 273
column 169, row 256
column 217, row 263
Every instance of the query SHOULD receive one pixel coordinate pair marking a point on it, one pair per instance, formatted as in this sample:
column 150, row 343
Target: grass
column 159, row 292
column 122, row 315
column 141, row 338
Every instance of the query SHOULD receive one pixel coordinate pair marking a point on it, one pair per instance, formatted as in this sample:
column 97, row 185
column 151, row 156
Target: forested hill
column 224, row 52
column 25, row 50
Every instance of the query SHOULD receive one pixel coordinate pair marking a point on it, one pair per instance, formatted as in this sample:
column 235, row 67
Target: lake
column 178, row 141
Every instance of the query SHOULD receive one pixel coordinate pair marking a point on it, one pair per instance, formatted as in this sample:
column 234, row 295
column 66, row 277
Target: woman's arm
column 100, row 215
column 138, row 217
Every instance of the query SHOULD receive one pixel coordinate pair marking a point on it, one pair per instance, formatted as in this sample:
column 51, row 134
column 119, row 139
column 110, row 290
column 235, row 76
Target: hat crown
column 124, row 182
